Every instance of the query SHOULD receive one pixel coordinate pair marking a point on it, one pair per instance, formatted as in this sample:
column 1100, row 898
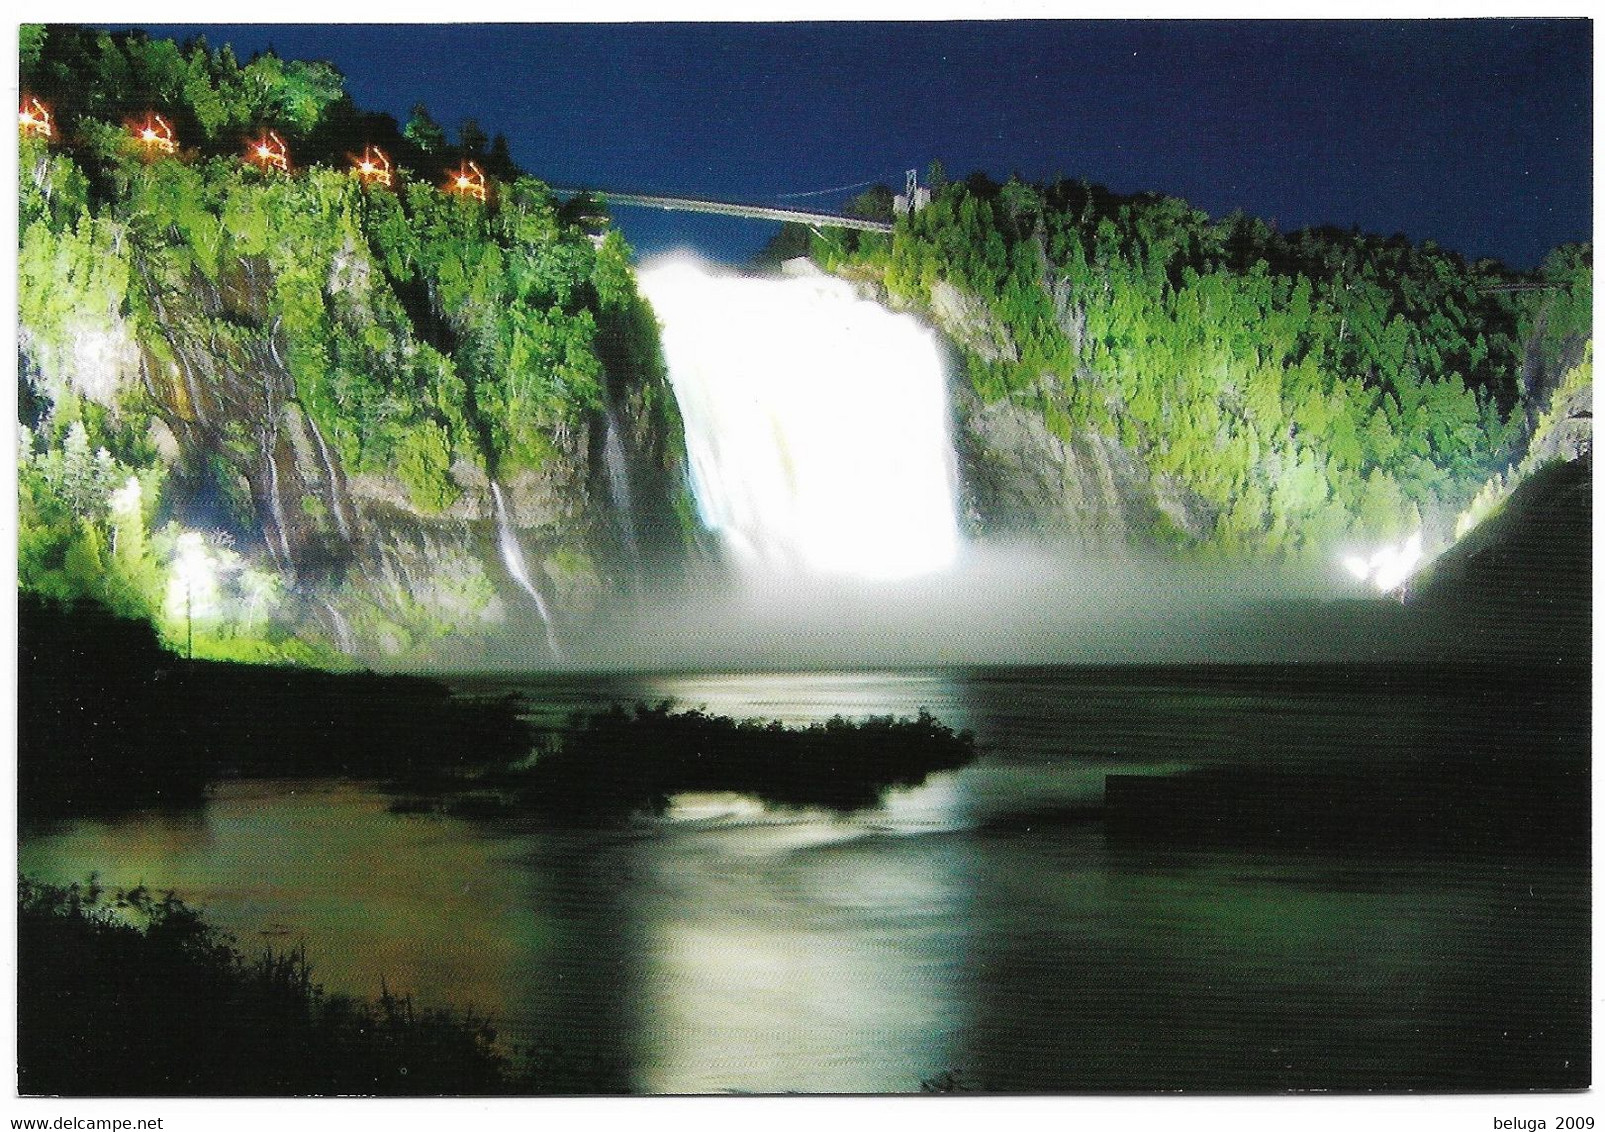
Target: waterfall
column 343, row 637
column 513, row 559
column 269, row 453
column 329, row 476
column 618, row 485
column 180, row 358
column 816, row 422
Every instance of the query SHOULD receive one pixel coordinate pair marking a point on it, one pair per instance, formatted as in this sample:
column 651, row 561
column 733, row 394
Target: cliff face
column 369, row 562
column 289, row 413
column 1020, row 480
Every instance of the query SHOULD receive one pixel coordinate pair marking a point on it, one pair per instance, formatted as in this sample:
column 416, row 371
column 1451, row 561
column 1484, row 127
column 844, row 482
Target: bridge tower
column 914, row 196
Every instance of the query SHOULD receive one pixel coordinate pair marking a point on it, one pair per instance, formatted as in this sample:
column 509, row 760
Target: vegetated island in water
column 610, row 764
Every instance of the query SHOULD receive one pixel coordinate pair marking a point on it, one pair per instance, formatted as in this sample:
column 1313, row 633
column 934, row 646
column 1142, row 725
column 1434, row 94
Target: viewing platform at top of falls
column 727, row 208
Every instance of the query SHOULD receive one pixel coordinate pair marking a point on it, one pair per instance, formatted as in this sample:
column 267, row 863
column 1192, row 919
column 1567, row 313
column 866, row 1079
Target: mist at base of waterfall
column 819, row 442
column 997, row 605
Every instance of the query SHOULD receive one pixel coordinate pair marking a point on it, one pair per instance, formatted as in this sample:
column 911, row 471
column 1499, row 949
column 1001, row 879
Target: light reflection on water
column 828, row 964
column 732, row 947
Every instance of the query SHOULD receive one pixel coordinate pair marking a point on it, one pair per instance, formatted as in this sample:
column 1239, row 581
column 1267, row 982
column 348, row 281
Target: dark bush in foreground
column 108, row 719
column 619, row 760
column 124, row 994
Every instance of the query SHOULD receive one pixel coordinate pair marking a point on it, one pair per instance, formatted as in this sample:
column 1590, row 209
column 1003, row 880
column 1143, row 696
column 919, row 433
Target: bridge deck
column 750, row 211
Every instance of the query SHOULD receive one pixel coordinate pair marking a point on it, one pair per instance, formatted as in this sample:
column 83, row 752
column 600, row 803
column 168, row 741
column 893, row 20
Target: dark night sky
column 1475, row 133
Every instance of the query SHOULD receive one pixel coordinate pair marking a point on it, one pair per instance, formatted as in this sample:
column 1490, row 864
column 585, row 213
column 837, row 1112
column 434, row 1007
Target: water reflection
column 421, row 904
column 574, row 997
column 970, row 924
column 826, row 964
column 1230, row 972
column 812, row 697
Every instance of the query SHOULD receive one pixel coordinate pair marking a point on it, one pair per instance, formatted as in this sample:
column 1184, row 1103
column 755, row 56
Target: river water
column 977, row 926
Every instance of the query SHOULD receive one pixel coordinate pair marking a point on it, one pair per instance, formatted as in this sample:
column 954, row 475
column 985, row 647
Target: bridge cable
column 827, row 192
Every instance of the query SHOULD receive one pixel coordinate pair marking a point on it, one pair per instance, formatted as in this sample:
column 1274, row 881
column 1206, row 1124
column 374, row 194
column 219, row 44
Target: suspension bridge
column 914, row 197
column 728, row 208
column 750, row 211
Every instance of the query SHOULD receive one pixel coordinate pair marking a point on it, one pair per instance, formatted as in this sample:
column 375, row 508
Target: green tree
column 423, row 131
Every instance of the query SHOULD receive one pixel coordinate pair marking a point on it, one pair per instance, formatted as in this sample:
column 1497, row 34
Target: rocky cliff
column 1022, row 481
column 294, row 412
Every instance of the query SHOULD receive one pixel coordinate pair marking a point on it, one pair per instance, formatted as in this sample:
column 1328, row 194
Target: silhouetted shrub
column 619, row 760
column 124, row 994
column 108, row 719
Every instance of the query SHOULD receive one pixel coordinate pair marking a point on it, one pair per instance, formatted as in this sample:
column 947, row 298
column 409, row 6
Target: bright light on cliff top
column 373, row 167
column 269, row 152
column 155, row 134
column 816, row 422
column 34, row 118
column 1388, row 567
column 467, row 181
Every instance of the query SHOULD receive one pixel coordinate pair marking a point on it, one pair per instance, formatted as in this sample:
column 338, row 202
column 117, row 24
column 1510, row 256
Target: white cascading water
column 343, row 638
column 329, row 477
column 513, row 559
column 618, row 481
column 816, row 422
